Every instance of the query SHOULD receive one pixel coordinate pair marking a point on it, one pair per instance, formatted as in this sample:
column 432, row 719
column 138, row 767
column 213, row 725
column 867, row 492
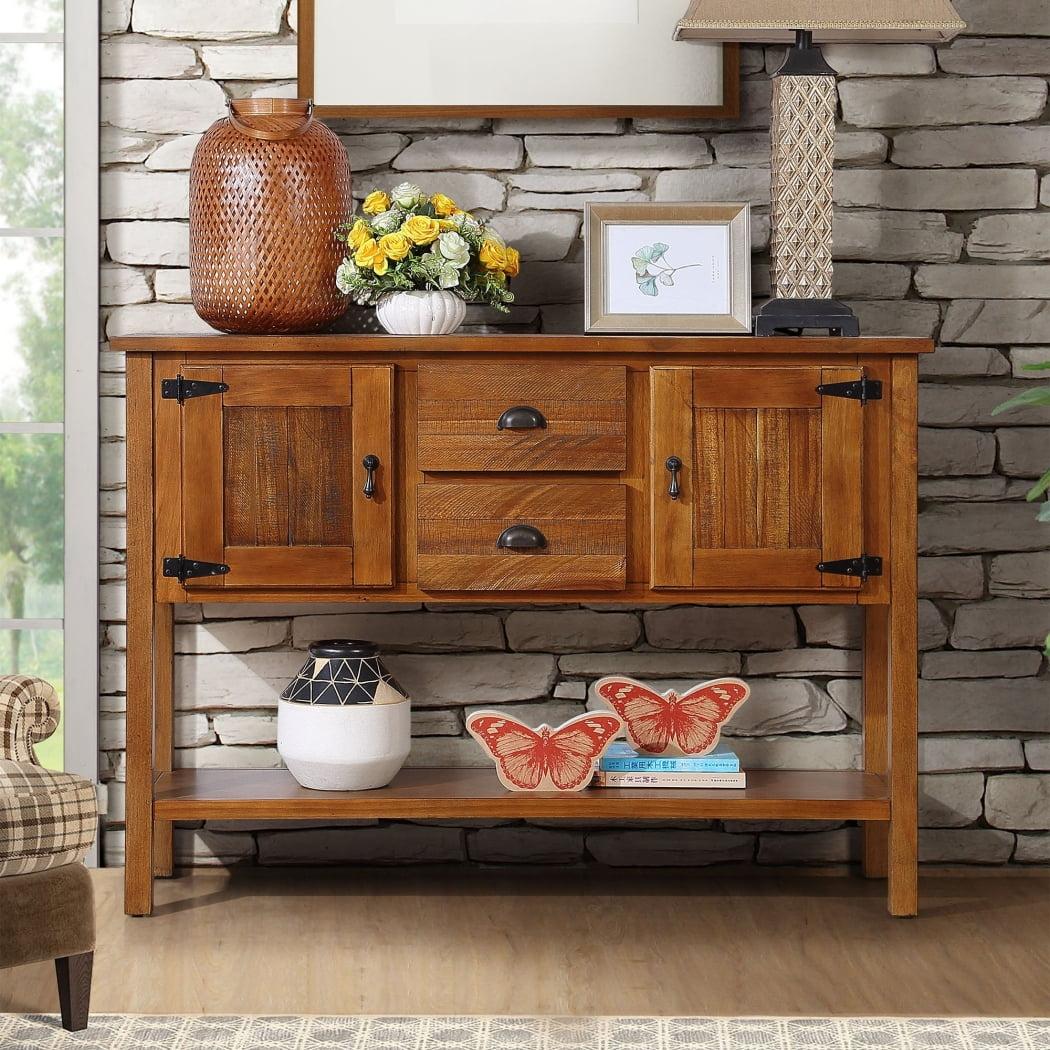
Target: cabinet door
column 770, row 484
column 273, row 476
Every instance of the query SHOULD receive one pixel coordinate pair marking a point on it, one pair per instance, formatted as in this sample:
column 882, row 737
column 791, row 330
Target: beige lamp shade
column 775, row 21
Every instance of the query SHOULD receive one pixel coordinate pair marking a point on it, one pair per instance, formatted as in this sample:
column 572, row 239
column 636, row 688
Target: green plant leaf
column 1038, row 396
column 1040, row 488
column 648, row 287
column 659, row 250
column 1044, row 513
column 1039, row 366
column 641, row 265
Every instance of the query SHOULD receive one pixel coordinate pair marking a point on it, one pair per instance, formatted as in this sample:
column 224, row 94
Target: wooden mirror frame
column 728, row 110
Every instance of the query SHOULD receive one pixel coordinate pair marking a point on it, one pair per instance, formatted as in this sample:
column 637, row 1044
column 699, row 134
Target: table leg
column 163, row 729
column 138, row 870
column 904, row 646
column 875, row 860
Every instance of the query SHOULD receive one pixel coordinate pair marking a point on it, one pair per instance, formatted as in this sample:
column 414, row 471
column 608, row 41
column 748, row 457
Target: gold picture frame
column 319, row 48
column 639, row 277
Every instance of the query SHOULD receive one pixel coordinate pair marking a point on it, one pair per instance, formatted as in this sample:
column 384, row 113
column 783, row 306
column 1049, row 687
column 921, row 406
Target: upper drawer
column 571, row 417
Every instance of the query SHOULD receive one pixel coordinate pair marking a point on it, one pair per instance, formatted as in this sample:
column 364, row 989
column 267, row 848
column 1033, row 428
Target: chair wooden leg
column 74, row 990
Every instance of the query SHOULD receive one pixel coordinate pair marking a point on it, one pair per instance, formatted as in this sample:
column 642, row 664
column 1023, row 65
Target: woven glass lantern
column 803, row 130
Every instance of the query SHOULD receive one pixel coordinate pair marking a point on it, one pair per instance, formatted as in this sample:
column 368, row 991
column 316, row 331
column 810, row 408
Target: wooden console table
column 644, row 470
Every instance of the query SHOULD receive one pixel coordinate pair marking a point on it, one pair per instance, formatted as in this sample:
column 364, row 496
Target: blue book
column 622, row 758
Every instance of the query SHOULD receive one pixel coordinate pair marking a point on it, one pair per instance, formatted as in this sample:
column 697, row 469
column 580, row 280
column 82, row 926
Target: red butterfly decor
column 670, row 724
column 544, row 759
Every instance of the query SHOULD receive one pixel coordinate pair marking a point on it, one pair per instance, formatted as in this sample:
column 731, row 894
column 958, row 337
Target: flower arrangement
column 405, row 240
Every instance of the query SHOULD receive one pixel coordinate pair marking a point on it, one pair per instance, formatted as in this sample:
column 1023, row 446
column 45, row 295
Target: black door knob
column 674, row 468
column 371, row 465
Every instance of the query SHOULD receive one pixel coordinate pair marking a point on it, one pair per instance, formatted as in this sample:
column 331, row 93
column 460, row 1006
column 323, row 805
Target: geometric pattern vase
column 343, row 723
column 343, row 673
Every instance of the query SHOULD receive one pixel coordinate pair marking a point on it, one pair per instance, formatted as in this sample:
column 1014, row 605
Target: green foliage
column 31, row 466
column 31, row 155
column 1036, row 396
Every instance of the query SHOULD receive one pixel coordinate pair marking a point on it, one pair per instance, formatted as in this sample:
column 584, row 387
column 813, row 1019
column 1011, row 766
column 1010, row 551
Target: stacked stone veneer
column 943, row 230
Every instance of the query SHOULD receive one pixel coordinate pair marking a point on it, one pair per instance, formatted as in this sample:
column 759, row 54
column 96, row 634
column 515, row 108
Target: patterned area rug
column 116, row 1032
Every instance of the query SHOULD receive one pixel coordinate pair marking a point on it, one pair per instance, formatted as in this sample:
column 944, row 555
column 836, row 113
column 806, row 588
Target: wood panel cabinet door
column 274, row 480
column 757, row 477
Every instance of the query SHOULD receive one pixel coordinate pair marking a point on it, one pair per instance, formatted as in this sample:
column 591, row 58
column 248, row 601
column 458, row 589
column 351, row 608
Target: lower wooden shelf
column 448, row 794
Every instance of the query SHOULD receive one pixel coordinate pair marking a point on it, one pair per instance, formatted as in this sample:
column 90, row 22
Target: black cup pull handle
column 674, row 468
column 371, row 465
column 522, row 538
column 522, row 417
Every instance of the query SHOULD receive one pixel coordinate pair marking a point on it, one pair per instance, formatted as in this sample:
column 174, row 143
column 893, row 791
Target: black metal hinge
column 863, row 568
column 862, row 390
column 183, row 568
column 182, row 389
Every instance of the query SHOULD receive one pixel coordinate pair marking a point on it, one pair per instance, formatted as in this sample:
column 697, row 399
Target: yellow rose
column 395, row 246
column 493, row 256
column 376, row 203
column 371, row 257
column 444, row 206
column 446, row 225
column 359, row 233
column 421, row 230
column 513, row 267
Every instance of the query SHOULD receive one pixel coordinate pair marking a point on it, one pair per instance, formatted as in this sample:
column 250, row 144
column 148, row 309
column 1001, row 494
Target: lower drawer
column 513, row 537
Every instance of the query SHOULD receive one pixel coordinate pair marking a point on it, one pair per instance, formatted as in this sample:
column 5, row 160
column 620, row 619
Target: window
column 48, row 229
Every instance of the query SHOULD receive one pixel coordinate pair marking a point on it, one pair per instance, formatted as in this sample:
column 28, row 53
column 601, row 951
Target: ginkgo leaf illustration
column 652, row 258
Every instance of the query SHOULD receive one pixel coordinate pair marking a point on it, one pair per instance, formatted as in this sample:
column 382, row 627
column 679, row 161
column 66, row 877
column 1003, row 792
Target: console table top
column 533, row 343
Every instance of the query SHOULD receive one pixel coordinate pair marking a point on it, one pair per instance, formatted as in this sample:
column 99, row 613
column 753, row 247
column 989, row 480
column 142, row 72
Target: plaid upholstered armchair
column 47, row 823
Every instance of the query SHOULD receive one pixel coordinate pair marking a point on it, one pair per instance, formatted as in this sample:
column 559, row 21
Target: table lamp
column 803, row 130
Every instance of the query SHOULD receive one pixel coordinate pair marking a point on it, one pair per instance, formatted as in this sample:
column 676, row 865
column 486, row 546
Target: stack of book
column 623, row 767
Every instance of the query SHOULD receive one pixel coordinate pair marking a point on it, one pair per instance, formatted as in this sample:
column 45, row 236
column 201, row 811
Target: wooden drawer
column 577, row 422
column 583, row 529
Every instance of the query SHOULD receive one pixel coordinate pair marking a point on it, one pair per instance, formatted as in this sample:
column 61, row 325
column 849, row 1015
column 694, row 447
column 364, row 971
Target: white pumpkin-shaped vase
column 421, row 312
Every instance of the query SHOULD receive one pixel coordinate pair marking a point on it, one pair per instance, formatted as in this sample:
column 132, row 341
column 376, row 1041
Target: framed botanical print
column 500, row 58
column 668, row 268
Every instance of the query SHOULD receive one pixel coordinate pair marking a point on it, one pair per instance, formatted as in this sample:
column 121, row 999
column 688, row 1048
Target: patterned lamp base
column 803, row 133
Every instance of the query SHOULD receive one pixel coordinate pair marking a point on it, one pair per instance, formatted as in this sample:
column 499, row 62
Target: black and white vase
column 343, row 722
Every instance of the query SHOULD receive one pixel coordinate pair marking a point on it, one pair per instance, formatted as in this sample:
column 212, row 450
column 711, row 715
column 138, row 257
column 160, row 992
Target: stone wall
column 943, row 230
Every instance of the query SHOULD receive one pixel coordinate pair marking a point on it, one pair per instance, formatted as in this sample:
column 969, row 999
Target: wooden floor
column 441, row 942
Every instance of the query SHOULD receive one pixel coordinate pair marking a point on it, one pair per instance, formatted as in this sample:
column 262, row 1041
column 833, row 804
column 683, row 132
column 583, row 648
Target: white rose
column 343, row 276
column 463, row 221
column 407, row 194
column 449, row 277
column 454, row 249
column 388, row 221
